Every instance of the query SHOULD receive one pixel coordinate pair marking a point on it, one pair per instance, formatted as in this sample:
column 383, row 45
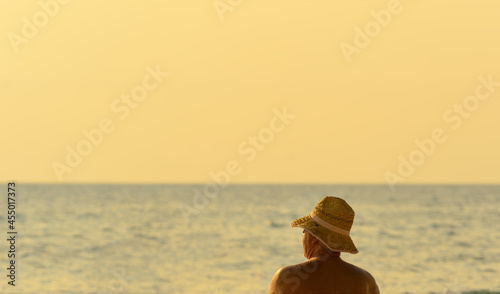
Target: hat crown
column 335, row 211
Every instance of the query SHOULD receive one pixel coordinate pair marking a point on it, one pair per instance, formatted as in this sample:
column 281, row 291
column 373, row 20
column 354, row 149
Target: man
column 326, row 235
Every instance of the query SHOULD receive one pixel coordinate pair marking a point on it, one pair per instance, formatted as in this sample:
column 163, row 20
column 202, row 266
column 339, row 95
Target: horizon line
column 263, row 183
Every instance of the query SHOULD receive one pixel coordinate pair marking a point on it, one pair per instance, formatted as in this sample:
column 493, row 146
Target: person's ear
column 314, row 240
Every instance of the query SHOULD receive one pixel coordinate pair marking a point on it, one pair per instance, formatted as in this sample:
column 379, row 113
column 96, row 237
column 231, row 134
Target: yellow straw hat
column 330, row 222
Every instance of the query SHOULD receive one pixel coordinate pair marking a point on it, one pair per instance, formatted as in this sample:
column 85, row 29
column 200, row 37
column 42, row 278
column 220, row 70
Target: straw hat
column 330, row 222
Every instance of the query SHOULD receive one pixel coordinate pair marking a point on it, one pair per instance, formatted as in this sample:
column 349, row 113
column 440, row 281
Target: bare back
column 332, row 275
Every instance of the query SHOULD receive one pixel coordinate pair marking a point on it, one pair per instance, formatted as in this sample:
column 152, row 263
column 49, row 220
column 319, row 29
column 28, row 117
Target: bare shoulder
column 357, row 270
column 365, row 276
column 372, row 284
column 286, row 280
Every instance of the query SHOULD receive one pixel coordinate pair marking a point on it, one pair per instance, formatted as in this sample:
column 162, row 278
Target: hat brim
column 332, row 240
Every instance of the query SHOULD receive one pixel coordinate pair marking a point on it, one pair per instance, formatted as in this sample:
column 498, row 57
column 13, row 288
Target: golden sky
column 252, row 91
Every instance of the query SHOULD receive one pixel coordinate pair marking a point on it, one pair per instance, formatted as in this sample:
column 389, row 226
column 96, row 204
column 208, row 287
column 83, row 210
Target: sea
column 163, row 238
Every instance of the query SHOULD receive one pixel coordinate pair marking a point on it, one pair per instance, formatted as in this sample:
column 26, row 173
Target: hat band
column 328, row 225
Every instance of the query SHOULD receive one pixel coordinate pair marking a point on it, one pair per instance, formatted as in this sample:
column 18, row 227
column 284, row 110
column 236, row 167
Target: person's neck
column 321, row 253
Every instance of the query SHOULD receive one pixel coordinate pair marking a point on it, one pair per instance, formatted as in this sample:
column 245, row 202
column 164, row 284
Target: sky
column 396, row 92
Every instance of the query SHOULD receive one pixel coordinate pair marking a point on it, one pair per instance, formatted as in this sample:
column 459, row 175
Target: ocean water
column 134, row 238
